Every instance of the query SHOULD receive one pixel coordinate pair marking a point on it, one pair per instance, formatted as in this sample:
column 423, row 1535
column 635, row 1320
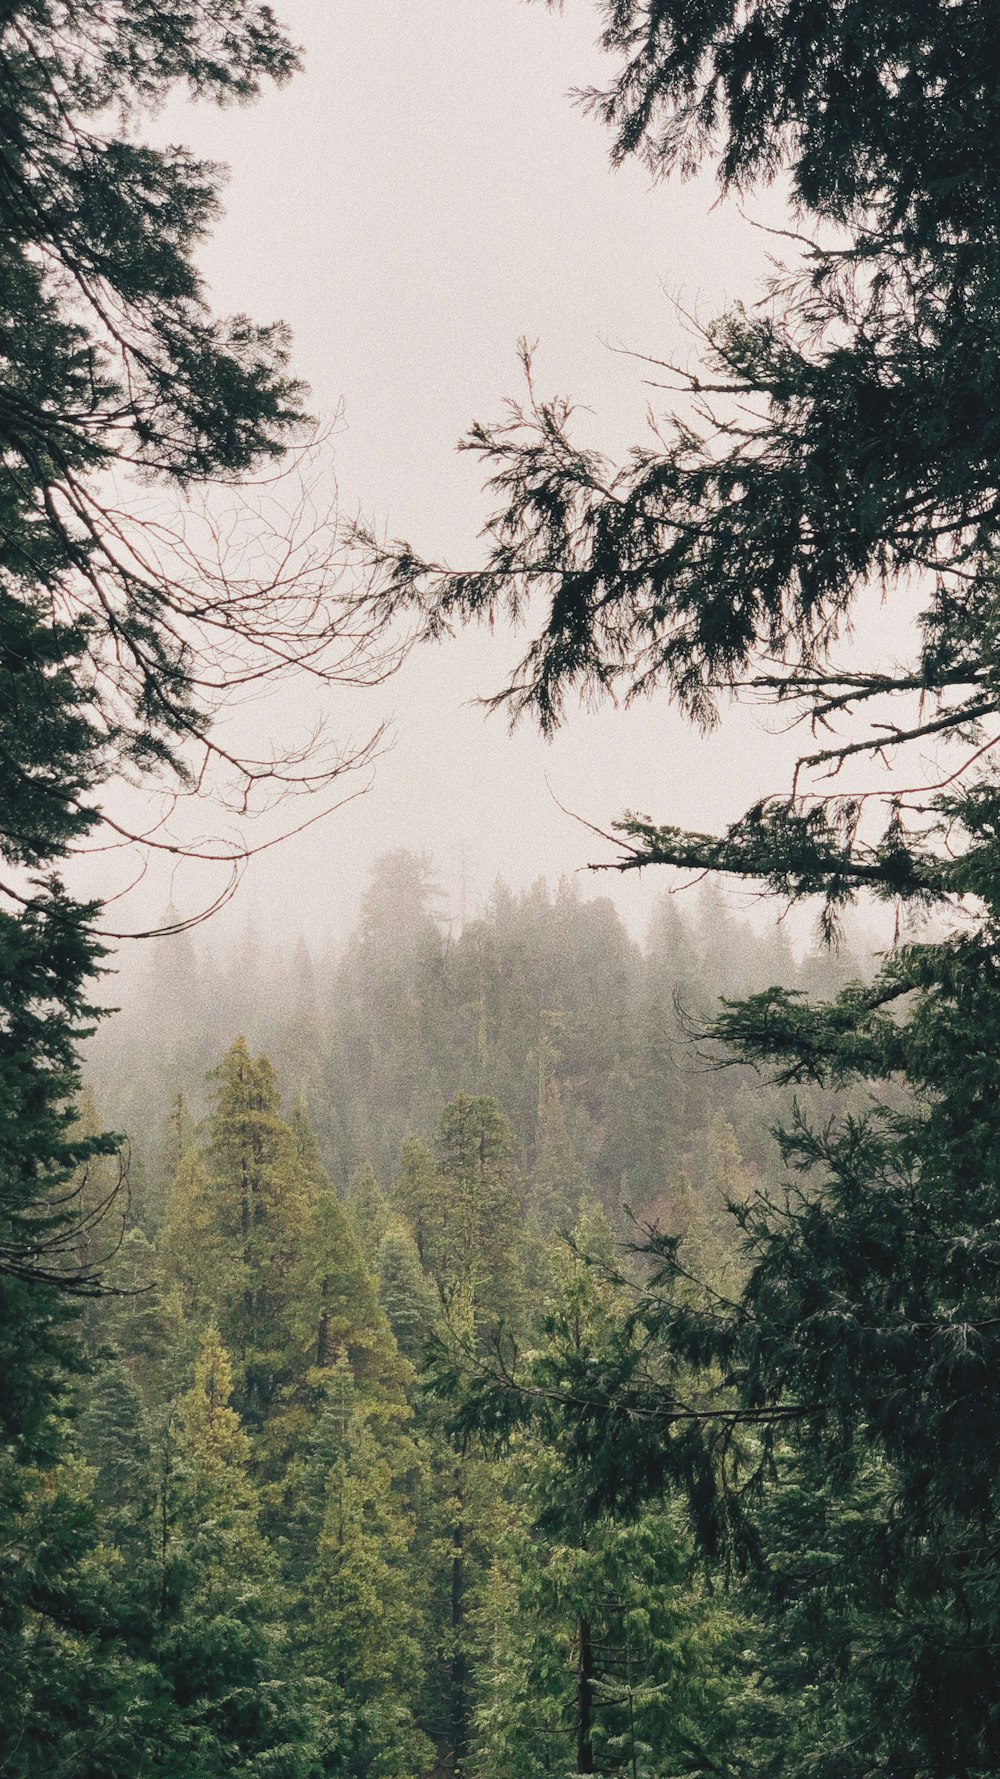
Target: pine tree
column 461, row 1210
column 467, row 1217
column 178, row 1136
column 220, row 1646
column 256, row 1239
column 44, row 1157
column 337, row 1308
column 370, row 1211
column 191, row 1244
column 63, row 1671
column 361, row 1589
column 115, row 1439
column 143, row 1316
column 416, row 1194
column 474, row 1260
column 720, row 1184
column 406, row 1294
column 842, row 434
column 460, row 1513
column 337, row 1311
column 260, row 1204
column 337, row 1318
column 76, row 1686
column 214, row 1450
column 306, row 1144
column 600, row 1651
column 114, row 368
column 177, row 1140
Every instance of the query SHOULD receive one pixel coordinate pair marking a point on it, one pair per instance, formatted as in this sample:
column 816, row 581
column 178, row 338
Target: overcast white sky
column 422, row 195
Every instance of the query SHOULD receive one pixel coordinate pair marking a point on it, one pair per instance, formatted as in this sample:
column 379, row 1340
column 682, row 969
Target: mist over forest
column 519, row 1346
column 587, row 1040
column 342, row 1171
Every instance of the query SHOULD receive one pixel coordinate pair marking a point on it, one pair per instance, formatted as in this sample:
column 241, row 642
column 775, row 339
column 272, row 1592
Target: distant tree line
column 587, row 1039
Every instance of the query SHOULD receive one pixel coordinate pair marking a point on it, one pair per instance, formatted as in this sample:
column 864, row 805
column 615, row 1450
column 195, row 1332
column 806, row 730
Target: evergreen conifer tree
column 416, row 1193
column 176, row 1141
column 259, row 1203
column 220, row 1646
column 219, row 1500
column 143, row 1316
column 405, row 1292
column 306, row 1144
column 362, row 1589
column 474, row 1259
column 64, row 1673
column 338, row 1310
column 115, row 1440
column 112, row 657
column 77, row 1687
column 338, row 1320
column 190, row 1243
column 370, row 1210
column 599, row 1650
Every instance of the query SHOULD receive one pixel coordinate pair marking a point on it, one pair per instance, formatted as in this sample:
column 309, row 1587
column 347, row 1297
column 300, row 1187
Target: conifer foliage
column 374, row 1474
column 119, row 640
column 840, row 434
column 604, row 1656
column 259, row 1203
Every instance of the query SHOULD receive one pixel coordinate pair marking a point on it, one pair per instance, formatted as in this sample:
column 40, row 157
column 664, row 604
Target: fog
column 422, row 195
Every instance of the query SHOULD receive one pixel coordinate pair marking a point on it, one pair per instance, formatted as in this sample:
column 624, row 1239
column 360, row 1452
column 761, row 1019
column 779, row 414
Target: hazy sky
column 422, row 195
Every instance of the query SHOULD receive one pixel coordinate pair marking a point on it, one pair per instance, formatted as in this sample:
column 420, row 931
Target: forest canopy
column 510, row 1351
column 438, row 1142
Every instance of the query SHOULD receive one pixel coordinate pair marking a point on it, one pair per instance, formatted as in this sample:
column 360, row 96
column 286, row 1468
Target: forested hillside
column 505, row 1350
column 586, row 1039
column 434, row 1142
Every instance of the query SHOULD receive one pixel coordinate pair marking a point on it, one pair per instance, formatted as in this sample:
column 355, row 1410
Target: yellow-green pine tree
column 261, row 1203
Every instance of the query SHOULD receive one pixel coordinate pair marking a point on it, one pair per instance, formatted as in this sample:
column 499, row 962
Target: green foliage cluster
column 112, row 362
column 119, row 641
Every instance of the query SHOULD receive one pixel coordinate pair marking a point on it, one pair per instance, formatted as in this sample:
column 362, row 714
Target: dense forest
column 586, row 1040
column 505, row 1350
column 433, row 1138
